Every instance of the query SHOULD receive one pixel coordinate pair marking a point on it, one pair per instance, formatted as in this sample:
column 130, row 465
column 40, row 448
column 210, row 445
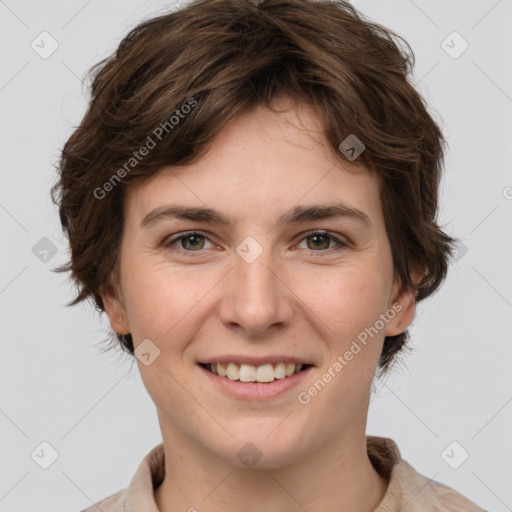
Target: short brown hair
column 223, row 57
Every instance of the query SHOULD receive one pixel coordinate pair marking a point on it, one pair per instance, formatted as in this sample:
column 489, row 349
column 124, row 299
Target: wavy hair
column 230, row 55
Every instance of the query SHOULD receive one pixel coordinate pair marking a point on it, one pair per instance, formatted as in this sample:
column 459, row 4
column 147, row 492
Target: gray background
column 57, row 387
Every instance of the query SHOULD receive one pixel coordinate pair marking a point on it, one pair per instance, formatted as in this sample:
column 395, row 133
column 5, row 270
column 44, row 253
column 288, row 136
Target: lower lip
column 256, row 390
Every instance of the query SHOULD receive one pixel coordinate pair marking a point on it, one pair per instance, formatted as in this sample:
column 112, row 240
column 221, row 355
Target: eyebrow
column 295, row 216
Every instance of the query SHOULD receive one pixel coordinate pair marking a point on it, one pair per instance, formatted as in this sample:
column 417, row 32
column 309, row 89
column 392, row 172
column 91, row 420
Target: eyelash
column 342, row 244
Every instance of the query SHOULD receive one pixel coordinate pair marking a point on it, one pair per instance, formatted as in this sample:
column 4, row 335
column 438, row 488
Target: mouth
column 265, row 373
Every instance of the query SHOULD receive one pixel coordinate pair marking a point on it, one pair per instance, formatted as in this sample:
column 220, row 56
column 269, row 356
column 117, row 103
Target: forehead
column 262, row 163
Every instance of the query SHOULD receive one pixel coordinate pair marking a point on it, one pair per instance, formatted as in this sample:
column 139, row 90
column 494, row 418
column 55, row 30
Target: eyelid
column 342, row 243
column 169, row 241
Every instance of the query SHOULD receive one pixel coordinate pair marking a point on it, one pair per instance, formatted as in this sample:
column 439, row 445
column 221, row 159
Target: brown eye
column 321, row 241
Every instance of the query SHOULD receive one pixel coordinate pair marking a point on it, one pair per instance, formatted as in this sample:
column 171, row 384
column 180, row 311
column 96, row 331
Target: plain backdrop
column 448, row 400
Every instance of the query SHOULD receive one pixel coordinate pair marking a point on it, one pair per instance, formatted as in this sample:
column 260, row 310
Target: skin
column 294, row 299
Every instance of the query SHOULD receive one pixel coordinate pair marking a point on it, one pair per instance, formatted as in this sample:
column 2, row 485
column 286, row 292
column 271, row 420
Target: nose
column 256, row 297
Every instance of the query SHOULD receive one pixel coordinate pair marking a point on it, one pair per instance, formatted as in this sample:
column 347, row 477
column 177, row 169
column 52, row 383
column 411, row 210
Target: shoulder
column 139, row 495
column 421, row 493
column 113, row 503
column 408, row 490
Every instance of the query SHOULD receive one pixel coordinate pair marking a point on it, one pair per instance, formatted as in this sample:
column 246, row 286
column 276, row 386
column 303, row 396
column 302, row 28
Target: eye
column 193, row 239
column 321, row 241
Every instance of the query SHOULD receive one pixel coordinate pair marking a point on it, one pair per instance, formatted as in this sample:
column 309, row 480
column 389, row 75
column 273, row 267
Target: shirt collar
column 382, row 452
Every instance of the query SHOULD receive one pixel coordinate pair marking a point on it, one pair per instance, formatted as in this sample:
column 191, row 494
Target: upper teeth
column 250, row 373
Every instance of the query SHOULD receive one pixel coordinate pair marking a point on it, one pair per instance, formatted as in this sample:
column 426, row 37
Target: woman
column 251, row 198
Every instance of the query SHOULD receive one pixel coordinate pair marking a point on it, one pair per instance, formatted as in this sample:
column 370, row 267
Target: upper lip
column 255, row 360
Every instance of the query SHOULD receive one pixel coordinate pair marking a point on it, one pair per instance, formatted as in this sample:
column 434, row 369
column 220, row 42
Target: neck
column 340, row 479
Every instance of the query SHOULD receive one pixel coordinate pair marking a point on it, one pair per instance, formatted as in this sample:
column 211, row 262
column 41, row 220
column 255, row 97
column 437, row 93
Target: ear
column 114, row 307
column 403, row 303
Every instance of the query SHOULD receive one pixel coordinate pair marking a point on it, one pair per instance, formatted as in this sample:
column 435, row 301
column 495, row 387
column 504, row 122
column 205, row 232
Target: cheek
column 163, row 303
column 348, row 308
column 346, row 300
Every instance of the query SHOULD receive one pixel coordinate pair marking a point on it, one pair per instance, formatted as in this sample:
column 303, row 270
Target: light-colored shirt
column 407, row 491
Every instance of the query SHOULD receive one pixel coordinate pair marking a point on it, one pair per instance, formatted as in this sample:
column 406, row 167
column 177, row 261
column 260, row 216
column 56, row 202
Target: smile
column 267, row 372
column 244, row 381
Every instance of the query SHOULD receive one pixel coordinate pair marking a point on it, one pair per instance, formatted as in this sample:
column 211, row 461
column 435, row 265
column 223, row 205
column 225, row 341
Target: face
column 281, row 284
